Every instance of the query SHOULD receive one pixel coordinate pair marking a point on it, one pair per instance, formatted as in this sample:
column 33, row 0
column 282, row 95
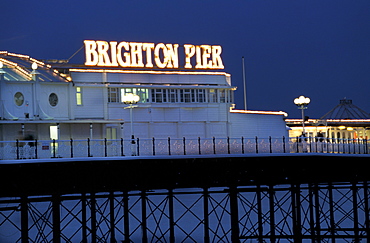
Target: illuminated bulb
column 302, row 100
column 1, row 65
column 130, row 98
column 34, row 66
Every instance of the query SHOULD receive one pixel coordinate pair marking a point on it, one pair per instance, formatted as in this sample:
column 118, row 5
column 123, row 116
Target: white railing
column 32, row 149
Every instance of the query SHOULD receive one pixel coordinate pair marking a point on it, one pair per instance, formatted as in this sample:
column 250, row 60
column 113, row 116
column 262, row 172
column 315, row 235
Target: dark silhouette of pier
column 199, row 198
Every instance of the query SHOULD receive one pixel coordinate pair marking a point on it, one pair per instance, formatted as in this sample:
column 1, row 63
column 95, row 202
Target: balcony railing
column 40, row 149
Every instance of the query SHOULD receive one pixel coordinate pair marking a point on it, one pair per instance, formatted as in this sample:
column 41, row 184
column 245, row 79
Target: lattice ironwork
column 330, row 212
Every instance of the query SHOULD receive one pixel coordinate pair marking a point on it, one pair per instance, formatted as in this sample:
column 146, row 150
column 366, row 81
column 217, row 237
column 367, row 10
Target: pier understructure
column 224, row 198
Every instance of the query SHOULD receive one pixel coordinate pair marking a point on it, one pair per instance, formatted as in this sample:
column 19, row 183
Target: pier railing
column 39, row 149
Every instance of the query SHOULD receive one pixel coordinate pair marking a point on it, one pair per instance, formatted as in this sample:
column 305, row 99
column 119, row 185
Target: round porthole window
column 53, row 99
column 18, row 98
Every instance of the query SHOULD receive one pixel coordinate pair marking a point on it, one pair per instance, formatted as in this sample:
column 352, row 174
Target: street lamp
column 130, row 100
column 302, row 103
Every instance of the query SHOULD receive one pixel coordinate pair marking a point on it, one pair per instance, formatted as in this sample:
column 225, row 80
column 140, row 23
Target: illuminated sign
column 149, row 55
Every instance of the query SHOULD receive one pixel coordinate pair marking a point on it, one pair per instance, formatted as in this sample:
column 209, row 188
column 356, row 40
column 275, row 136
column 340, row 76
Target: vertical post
column 169, row 146
column 256, row 145
column 205, row 215
column 24, row 219
column 88, row 147
column 214, row 145
column 311, row 213
column 36, row 151
column 228, row 145
column 272, row 214
column 297, row 142
column 54, row 149
column 259, row 213
column 367, row 210
column 244, row 86
column 234, row 215
column 153, row 145
column 284, row 149
column 56, row 218
column 331, row 211
column 71, row 144
column 91, row 131
column 126, row 216
column 105, row 147
column 171, row 216
column 199, row 147
column 122, row 154
column 93, row 217
column 317, row 212
column 138, row 146
column 270, row 142
column 184, row 145
column 111, row 218
column 83, row 218
column 296, row 213
column 242, row 145
column 17, row 145
column 143, row 218
column 355, row 213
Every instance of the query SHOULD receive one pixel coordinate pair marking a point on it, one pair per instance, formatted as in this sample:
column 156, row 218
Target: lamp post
column 130, row 100
column 302, row 103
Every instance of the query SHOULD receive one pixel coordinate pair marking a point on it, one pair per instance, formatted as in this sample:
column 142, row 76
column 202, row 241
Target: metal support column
column 83, row 218
column 296, row 213
column 56, row 219
column 205, row 215
column 143, row 217
column 331, row 212
column 233, row 194
column 317, row 212
column 311, row 213
column 355, row 213
column 171, row 216
column 126, row 215
column 93, row 217
column 24, row 219
column 272, row 213
column 111, row 218
column 367, row 210
column 259, row 213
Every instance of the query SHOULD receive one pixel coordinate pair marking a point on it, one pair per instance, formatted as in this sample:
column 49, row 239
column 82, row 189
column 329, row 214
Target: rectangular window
column 78, row 96
column 113, row 95
column 173, row 95
column 187, row 95
column 212, row 95
column 201, row 95
column 194, row 96
column 142, row 93
column 222, row 94
column 111, row 133
column 159, row 95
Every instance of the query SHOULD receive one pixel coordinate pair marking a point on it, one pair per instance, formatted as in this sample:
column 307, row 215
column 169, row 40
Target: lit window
column 212, row 96
column 78, row 96
column 142, row 93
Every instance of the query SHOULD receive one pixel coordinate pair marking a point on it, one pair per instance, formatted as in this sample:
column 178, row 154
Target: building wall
column 252, row 125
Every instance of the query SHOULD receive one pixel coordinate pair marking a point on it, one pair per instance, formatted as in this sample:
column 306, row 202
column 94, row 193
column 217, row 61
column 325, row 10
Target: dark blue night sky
column 316, row 48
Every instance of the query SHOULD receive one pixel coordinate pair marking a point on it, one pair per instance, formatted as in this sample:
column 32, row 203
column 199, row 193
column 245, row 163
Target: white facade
column 87, row 103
